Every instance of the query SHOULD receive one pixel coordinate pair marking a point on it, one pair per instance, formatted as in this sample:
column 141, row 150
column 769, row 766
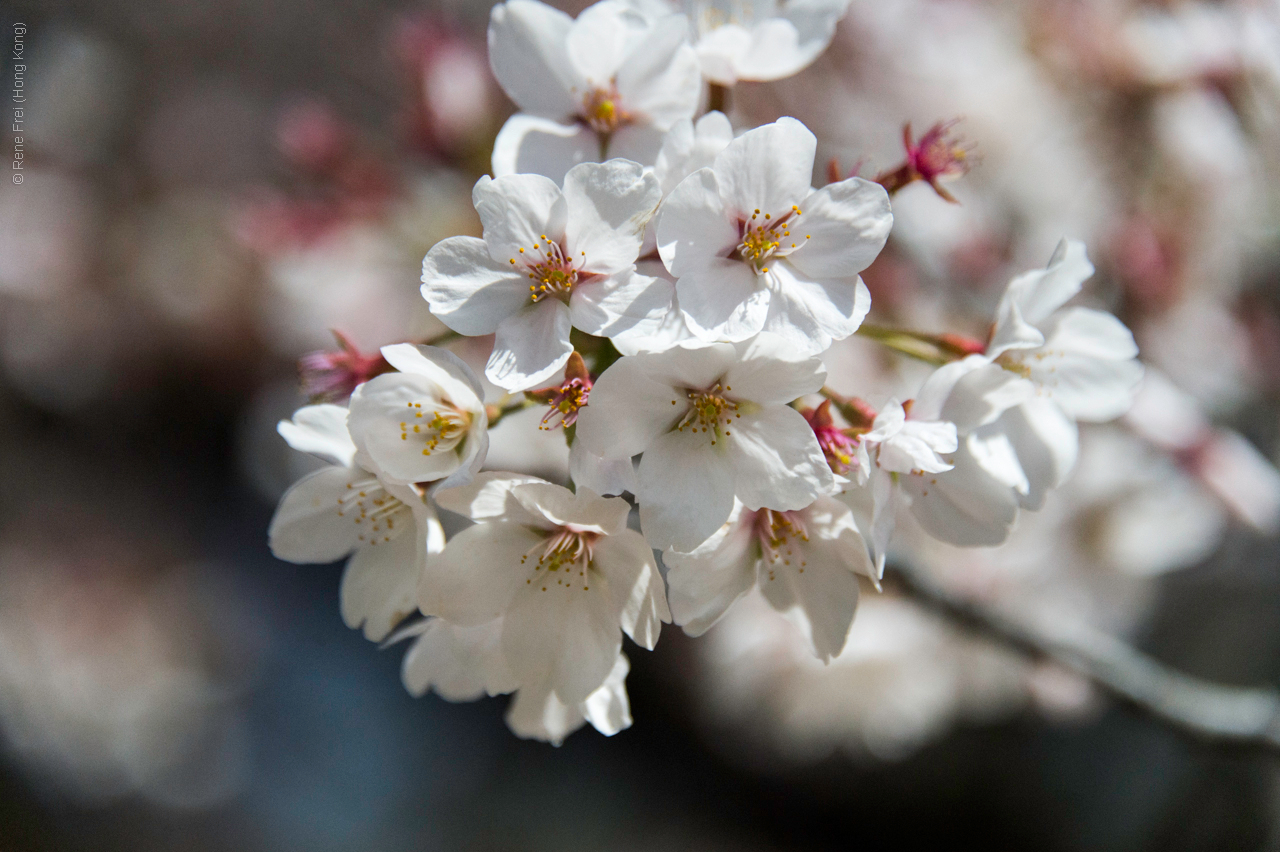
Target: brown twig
column 1247, row 717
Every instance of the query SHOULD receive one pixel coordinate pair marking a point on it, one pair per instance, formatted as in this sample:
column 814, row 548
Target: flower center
column 763, row 238
column 552, row 272
column 776, row 532
column 379, row 515
column 1014, row 364
column 709, row 410
column 602, row 110
column 564, row 555
column 570, row 398
column 708, row 15
column 439, row 430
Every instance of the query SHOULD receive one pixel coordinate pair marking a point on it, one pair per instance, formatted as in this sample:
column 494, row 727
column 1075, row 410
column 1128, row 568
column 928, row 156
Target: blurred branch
column 1208, row 711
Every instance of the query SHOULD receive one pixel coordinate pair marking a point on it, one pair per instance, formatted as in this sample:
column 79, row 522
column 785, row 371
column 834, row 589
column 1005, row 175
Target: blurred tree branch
column 1247, row 717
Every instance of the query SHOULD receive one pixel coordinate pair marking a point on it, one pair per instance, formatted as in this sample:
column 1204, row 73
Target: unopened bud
column 332, row 376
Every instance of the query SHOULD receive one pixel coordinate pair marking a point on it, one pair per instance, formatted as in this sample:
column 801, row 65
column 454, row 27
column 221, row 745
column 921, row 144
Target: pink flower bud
column 332, row 376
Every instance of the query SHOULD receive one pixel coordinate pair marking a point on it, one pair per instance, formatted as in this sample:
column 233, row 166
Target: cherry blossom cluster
column 667, row 285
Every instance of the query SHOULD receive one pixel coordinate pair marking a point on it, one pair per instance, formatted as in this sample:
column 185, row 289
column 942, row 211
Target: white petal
column 563, row 634
column 322, row 431
column 1047, row 444
column 769, row 168
column 537, row 714
column 724, row 300
column 843, row 227
column 635, row 585
column 1087, row 365
column 306, row 527
column 916, row 447
column 721, row 50
column 527, row 53
column 1086, row 387
column 1041, row 292
column 770, row 372
column 531, row 145
column 609, row 205
column 994, row 453
column 530, row 347
column 776, row 460
column 607, row 709
column 467, row 289
column 601, row 36
column 453, row 379
column 639, row 143
column 488, row 496
column 661, row 78
column 983, row 394
column 517, row 211
column 815, row 24
column 473, row 580
column 380, row 585
column 686, row 490
column 964, row 506
column 936, row 390
column 811, row 313
column 706, row 582
column 585, row 510
column 603, row 476
column 1087, row 332
column 459, row 663
column 820, row 595
column 774, row 52
column 616, row 304
column 688, row 147
column 693, row 228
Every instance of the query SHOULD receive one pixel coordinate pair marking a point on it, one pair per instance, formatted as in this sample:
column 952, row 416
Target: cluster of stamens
column 774, row 532
column 443, row 431
column 602, row 110
column 566, row 550
column 763, row 238
column 838, row 444
column 569, row 399
column 371, row 508
column 550, row 269
column 709, row 410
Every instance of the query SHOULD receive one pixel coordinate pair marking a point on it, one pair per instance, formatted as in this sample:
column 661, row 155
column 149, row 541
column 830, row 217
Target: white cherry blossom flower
column 464, row 663
column 1083, row 360
column 753, row 247
column 804, row 562
column 424, row 423
column 608, row 84
column 560, row 569
column 961, row 484
column 758, row 39
column 712, row 422
column 387, row 528
column 549, row 260
column 1077, row 364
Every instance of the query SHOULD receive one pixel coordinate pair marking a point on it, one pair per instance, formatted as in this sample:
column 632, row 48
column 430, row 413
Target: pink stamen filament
column 567, row 549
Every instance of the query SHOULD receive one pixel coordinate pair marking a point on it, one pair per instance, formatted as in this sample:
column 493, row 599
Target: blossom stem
column 718, row 98
column 1225, row 715
column 936, row 349
column 498, row 412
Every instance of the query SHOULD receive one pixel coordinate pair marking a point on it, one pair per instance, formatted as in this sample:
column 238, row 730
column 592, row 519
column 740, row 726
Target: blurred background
column 210, row 187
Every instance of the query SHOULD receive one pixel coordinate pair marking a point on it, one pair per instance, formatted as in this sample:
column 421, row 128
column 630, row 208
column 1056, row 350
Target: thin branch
column 1208, row 711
